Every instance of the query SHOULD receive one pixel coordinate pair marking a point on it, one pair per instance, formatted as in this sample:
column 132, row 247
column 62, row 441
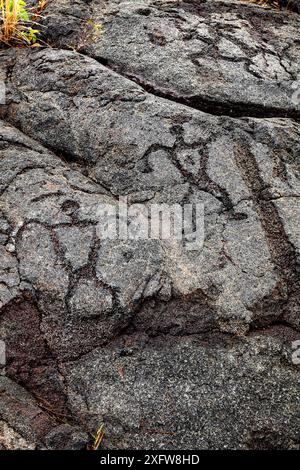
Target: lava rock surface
column 176, row 102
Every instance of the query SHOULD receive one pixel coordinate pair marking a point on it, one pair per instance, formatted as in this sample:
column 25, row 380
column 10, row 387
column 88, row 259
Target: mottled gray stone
column 184, row 394
column 289, row 211
column 76, row 243
column 143, row 151
column 9, row 276
column 90, row 300
column 26, row 424
column 66, row 437
column 241, row 60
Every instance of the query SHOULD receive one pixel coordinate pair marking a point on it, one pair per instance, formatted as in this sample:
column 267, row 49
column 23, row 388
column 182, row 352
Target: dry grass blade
column 18, row 22
column 97, row 439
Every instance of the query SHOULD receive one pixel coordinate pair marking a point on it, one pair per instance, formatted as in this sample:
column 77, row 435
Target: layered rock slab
column 155, row 151
column 26, row 424
column 183, row 394
column 225, row 58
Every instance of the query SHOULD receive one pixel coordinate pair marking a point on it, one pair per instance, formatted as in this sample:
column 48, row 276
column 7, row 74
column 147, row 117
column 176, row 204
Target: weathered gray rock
column 66, row 22
column 136, row 142
column 226, row 59
column 27, row 423
column 169, row 348
column 186, row 394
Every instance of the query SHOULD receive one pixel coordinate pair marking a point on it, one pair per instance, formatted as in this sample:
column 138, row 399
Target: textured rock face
column 176, row 103
column 217, row 57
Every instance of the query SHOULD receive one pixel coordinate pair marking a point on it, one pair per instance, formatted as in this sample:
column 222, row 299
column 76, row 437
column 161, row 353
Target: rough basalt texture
column 177, row 102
